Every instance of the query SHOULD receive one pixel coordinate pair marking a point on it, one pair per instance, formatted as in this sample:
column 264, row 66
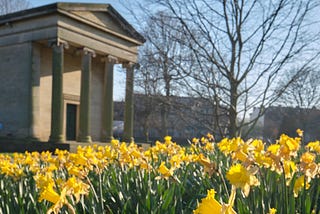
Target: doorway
column 71, row 122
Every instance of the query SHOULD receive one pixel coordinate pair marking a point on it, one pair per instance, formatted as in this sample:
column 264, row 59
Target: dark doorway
column 71, row 123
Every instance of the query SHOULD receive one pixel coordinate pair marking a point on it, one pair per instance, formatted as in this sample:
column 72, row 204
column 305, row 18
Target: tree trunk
column 233, row 110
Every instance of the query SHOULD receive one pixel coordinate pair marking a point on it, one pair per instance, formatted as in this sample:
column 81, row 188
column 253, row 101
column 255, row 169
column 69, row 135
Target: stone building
column 278, row 120
column 185, row 118
column 56, row 72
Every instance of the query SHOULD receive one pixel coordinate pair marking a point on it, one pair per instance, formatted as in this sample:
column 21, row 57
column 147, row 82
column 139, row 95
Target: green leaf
column 308, row 204
column 167, row 198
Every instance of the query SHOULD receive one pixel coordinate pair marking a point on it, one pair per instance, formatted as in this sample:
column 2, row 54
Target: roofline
column 55, row 7
column 120, row 18
column 28, row 13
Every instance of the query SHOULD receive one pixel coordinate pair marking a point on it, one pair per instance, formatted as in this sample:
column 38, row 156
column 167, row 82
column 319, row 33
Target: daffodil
column 176, row 161
column 314, row 146
column 79, row 159
column 209, row 147
column 164, row 171
column 308, row 165
column 307, row 157
column 258, row 145
column 76, row 187
column 209, row 167
column 242, row 178
column 272, row 211
column 290, row 169
column 224, row 146
column 299, row 132
column 228, row 146
column 167, row 139
column 115, row 143
column 49, row 194
column 289, row 146
column 274, row 149
column 299, row 184
column 11, row 169
column 210, row 137
column 209, row 204
column 195, row 140
column 240, row 155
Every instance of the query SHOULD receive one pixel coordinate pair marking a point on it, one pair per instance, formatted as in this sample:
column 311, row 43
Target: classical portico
column 70, row 50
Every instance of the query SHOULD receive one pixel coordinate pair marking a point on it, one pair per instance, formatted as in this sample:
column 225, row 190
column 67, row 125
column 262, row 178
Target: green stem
column 285, row 196
column 101, row 194
column 92, row 187
column 224, row 183
column 317, row 196
column 303, row 207
column 262, row 191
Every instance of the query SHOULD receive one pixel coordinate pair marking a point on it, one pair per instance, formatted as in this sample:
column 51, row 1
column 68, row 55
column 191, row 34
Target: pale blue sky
column 119, row 76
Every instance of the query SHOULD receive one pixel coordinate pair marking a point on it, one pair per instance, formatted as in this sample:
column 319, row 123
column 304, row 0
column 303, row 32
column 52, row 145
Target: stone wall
column 15, row 67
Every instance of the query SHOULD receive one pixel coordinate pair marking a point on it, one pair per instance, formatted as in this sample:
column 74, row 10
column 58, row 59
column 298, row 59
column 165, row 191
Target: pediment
column 102, row 19
column 103, row 15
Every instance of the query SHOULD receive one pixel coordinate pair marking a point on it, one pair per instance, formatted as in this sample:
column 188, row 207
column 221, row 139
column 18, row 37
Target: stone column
column 35, row 92
column 128, row 111
column 84, row 125
column 56, row 135
column 107, row 127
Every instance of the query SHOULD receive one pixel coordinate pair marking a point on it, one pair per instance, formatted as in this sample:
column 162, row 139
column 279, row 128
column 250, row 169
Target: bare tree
column 304, row 91
column 241, row 48
column 301, row 100
column 158, row 75
column 9, row 6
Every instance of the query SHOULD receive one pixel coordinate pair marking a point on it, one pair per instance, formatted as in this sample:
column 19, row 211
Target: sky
column 119, row 74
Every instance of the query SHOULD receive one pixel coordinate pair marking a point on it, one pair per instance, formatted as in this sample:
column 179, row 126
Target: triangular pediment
column 102, row 19
column 103, row 15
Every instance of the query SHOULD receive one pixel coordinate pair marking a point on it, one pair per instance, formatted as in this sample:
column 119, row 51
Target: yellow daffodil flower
column 299, row 132
column 272, row 211
column 299, row 184
column 209, row 204
column 240, row 177
column 164, row 170
column 314, row 146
